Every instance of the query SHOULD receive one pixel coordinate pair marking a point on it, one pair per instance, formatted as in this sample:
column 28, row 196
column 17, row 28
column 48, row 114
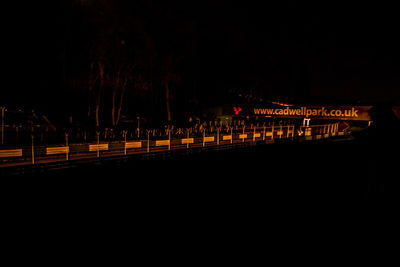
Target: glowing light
column 237, row 110
column 282, row 104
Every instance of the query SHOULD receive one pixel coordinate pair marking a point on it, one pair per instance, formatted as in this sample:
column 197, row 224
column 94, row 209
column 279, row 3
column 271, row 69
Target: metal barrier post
column 204, row 136
column 272, row 136
column 138, row 127
column 33, row 151
column 231, row 135
column 66, row 144
column 169, row 139
column 217, row 136
column 125, row 142
column 293, row 132
column 2, row 125
column 187, row 145
column 264, row 133
column 148, row 141
column 98, row 142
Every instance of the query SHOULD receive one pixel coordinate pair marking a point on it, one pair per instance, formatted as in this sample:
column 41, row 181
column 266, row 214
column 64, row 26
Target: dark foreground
column 304, row 174
column 288, row 191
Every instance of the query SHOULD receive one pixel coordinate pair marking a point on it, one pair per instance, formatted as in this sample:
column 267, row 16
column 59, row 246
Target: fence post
column 66, row 144
column 148, row 141
column 125, row 142
column 244, row 127
column 138, row 127
column 2, row 125
column 254, row 135
column 204, row 136
column 187, row 131
column 33, row 151
column 231, row 135
column 217, row 136
column 169, row 139
column 98, row 142
column 272, row 136
column 264, row 133
column 293, row 132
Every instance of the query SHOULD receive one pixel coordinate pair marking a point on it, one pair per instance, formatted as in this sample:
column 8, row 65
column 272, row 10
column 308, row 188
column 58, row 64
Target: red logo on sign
column 237, row 110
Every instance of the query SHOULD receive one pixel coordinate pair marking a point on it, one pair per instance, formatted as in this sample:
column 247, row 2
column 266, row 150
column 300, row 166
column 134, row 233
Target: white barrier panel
column 227, row 137
column 209, row 139
column 57, row 150
column 340, row 133
column 98, row 147
column 326, row 135
column 269, row 134
column 187, row 141
column 318, row 136
column 280, row 133
column 162, row 143
column 257, row 135
column 242, row 136
column 133, row 145
column 10, row 153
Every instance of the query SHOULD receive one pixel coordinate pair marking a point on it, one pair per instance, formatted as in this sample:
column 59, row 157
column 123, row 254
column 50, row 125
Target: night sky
column 283, row 50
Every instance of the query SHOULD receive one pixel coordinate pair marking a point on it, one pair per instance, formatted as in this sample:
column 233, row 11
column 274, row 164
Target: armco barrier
column 209, row 139
column 164, row 143
column 99, row 147
column 10, row 153
column 185, row 141
column 57, row 150
column 242, row 136
column 129, row 145
column 119, row 148
column 226, row 137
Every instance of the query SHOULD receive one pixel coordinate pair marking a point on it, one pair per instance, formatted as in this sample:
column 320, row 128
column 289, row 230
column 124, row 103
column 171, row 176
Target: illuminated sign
column 360, row 113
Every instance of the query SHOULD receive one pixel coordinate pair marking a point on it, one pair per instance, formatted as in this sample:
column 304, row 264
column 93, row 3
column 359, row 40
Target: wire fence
column 153, row 141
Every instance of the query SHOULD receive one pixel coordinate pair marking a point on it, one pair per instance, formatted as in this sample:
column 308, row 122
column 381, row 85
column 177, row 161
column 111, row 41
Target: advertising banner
column 358, row 113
